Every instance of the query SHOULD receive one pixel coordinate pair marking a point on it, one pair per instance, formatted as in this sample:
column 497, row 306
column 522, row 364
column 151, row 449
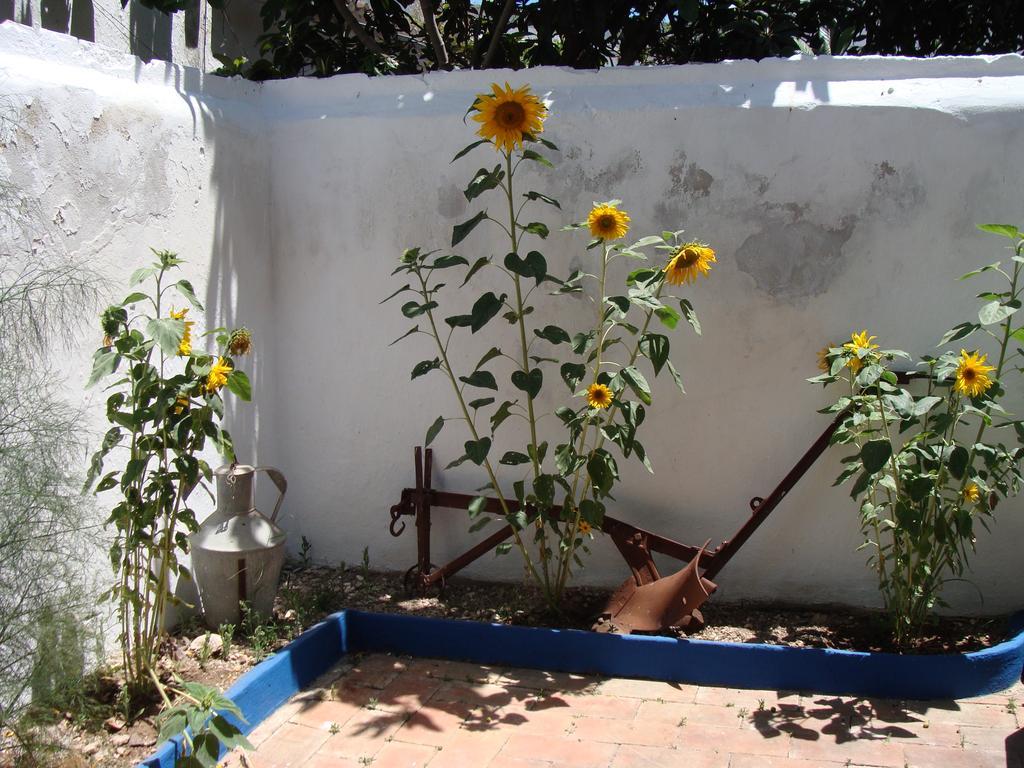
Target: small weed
column 963, row 740
column 742, row 713
column 227, row 634
column 760, row 705
column 335, row 728
column 304, row 549
column 372, row 703
column 731, row 704
column 660, row 700
column 1011, row 705
column 365, row 760
column 205, row 651
column 682, row 722
column 366, row 562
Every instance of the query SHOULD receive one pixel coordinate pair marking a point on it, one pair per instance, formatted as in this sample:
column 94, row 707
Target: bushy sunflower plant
column 163, row 407
column 924, row 471
column 561, row 491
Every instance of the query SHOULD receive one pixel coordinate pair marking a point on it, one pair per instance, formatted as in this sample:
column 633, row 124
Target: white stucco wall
column 839, row 194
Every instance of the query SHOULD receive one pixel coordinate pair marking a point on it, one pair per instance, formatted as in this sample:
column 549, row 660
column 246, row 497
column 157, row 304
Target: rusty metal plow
column 646, row 601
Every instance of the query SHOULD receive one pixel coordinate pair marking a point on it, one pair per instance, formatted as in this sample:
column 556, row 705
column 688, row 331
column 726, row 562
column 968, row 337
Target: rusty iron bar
column 634, row 543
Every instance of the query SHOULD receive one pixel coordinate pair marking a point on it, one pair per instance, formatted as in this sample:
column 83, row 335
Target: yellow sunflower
column 857, row 342
column 506, row 114
column 181, row 403
column 688, row 263
column 972, row 494
column 583, row 527
column 185, row 347
column 218, row 375
column 972, row 377
column 607, row 222
column 599, row 396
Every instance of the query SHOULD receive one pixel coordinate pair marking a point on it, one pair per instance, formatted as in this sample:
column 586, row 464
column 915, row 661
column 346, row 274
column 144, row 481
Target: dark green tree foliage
column 326, row 37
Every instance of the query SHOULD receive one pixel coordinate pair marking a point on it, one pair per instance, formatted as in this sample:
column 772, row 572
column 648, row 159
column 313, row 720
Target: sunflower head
column 240, row 341
column 688, row 263
column 218, row 375
column 823, row 362
column 185, row 346
column 972, row 494
column 859, row 341
column 972, row 375
column 607, row 222
column 506, row 115
column 599, row 396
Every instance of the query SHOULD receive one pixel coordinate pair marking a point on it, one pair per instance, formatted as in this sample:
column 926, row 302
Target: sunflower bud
column 111, row 320
column 240, row 341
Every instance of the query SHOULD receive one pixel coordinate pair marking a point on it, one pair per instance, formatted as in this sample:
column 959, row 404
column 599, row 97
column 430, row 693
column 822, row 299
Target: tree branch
column 499, row 31
column 430, row 23
column 369, row 42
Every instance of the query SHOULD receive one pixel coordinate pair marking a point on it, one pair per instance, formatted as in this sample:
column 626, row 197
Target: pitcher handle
column 280, row 482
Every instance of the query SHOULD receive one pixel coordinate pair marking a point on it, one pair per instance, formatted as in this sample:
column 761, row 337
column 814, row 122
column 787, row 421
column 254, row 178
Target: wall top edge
column 799, row 81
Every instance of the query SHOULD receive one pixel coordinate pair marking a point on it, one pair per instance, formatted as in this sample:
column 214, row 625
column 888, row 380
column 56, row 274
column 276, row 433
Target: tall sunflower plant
column 929, row 467
column 165, row 402
column 608, row 395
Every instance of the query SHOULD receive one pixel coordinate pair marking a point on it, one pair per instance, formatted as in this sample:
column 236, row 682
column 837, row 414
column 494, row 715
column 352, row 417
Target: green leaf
column 554, row 334
column 484, row 310
column 134, row 298
column 104, row 363
column 477, row 450
column 451, row 260
column 424, row 367
column 544, row 490
column 675, row 376
column 434, row 430
column 238, row 382
column 690, row 314
column 982, row 270
column 549, row 144
column 655, row 347
column 513, row 458
column 501, row 414
column 185, row 289
column 408, row 333
column 480, row 402
column 414, row 308
column 543, row 198
column 529, row 154
column 875, row 454
column 994, row 312
column 600, row 468
column 167, row 332
column 537, row 228
column 388, row 298
column 668, row 316
column 492, row 353
column 643, row 242
column 140, row 274
column 482, row 379
column 476, row 506
column 925, row 404
column 958, row 461
column 534, row 265
column 1006, row 230
column 957, row 332
column 482, row 181
column 460, row 231
column 530, row 383
column 477, row 266
column 637, row 383
column 468, row 148
column 641, row 276
column 592, row 511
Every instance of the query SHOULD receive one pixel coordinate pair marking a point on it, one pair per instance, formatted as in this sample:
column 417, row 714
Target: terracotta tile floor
column 386, row 712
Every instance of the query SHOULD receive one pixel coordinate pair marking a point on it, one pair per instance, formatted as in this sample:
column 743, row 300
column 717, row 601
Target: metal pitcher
column 237, row 553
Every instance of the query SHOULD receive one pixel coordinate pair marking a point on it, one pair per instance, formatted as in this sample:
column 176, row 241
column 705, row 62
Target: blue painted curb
column 848, row 673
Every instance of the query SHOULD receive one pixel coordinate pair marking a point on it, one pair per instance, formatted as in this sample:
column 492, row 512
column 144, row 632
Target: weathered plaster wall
column 109, row 157
column 839, row 195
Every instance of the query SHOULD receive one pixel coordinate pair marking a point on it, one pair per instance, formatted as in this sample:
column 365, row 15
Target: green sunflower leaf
column 482, row 379
column 543, row 198
column 477, row 450
column 460, row 231
column 424, row 367
column 434, row 431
